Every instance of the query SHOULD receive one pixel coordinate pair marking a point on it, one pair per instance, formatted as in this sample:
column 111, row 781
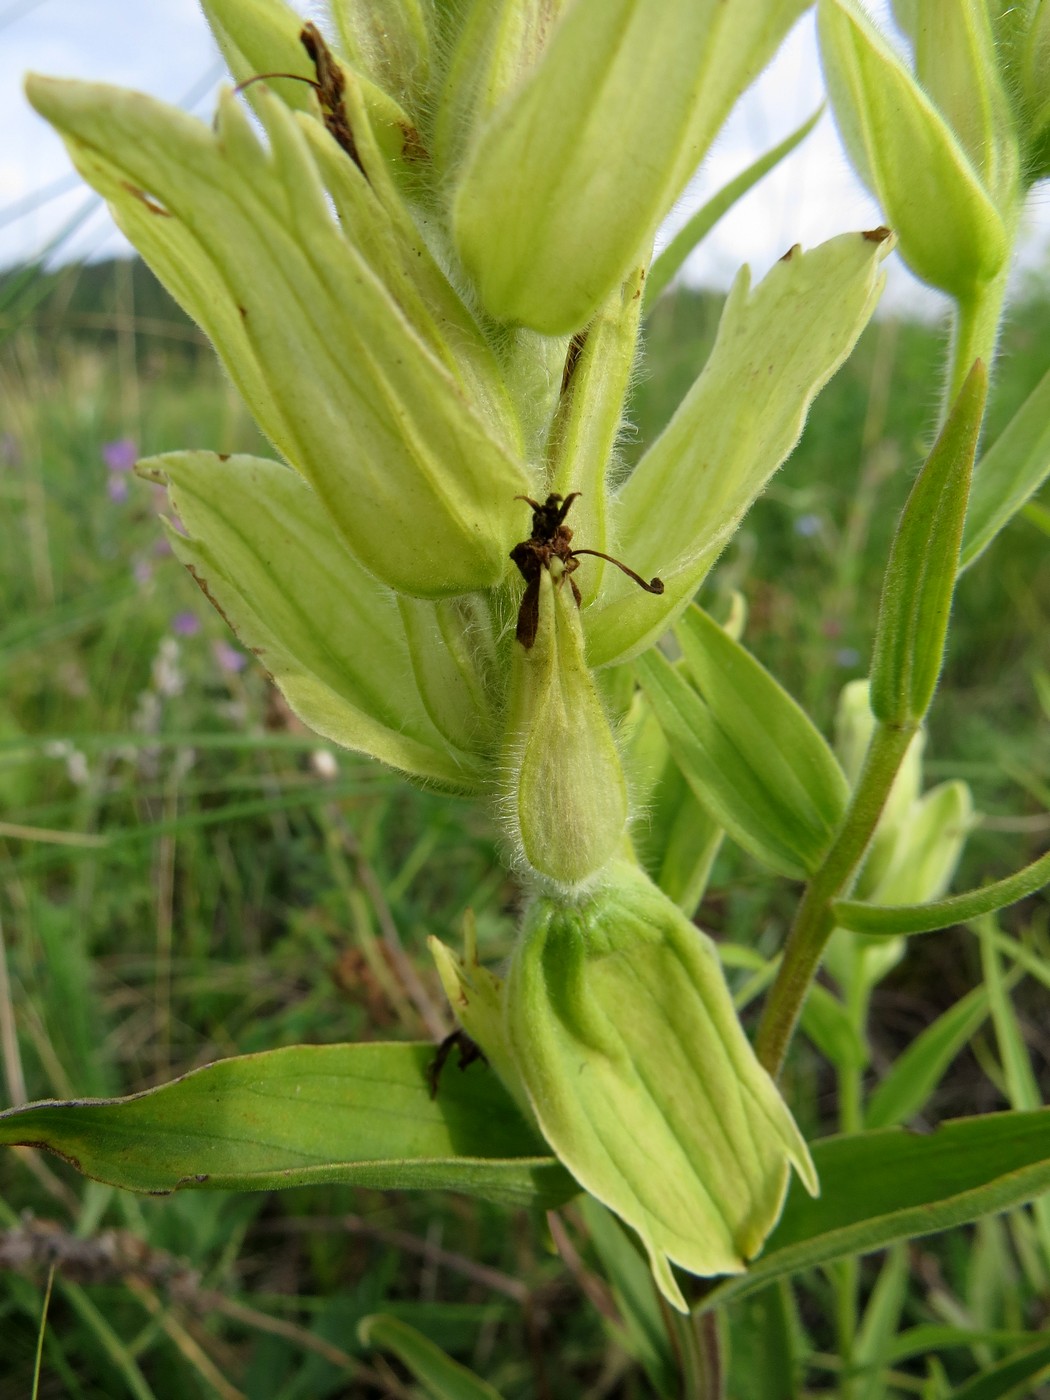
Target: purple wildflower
column 121, row 455
column 230, row 659
column 185, row 624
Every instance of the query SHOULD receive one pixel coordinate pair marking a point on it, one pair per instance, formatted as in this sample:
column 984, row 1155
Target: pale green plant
column 420, row 251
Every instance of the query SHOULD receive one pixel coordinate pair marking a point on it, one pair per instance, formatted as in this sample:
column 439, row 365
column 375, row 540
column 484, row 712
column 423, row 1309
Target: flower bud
column 498, row 42
column 955, row 61
column 567, row 183
column 951, row 233
column 642, row 1080
column 566, row 797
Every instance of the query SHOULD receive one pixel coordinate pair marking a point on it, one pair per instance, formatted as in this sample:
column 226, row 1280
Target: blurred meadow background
column 186, row 874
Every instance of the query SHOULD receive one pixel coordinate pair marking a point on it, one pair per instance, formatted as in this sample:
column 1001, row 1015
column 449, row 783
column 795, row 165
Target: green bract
column 778, row 344
column 356, row 358
column 642, row 1080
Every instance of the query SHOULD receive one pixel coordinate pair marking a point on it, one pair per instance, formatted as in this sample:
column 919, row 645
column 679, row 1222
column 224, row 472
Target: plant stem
column 975, row 331
column 815, row 921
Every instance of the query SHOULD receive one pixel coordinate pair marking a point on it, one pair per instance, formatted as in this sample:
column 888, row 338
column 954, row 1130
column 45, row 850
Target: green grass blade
column 917, row 1072
column 1015, row 1376
column 360, row 1114
column 703, row 221
column 441, row 1377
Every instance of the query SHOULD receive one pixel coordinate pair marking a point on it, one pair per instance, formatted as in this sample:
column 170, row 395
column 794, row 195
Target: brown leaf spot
column 148, row 200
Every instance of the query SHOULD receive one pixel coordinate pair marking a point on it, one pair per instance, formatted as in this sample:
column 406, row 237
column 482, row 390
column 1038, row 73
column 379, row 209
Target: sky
column 164, row 47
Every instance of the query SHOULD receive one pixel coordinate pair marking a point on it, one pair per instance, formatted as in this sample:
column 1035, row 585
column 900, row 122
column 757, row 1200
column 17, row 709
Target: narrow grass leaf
column 1022, row 1087
column 644, row 1332
column 359, row 1114
column 892, row 919
column 664, row 267
column 441, row 1377
column 920, row 575
column 919, row 1069
column 1014, row 467
column 878, row 1187
column 1014, row 1376
column 880, row 1322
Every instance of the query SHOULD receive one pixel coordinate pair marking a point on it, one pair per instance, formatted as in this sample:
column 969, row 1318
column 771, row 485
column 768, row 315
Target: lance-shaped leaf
column 359, row 1114
column 950, row 231
column 891, row 920
column 643, row 1081
column 924, row 559
column 1034, row 71
column 751, row 755
column 265, row 553
column 891, row 1185
column 664, row 267
column 1014, row 467
column 778, row 344
column 568, row 182
column 674, row 836
column 416, row 477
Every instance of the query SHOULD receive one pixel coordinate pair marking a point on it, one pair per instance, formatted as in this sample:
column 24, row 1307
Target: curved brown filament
column 262, row 77
column 655, row 585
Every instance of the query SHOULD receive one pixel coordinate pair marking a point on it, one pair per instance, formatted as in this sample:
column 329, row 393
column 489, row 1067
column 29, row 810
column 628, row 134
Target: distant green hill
column 97, row 303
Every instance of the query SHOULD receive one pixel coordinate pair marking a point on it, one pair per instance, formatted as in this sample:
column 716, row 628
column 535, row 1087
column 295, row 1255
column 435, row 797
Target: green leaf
column 567, row 183
column 924, row 558
column 907, row 155
column 360, row 1114
column 878, row 1187
column 441, row 1377
column 763, row 721
column 778, row 344
column 919, row 1069
column 890, row 920
column 264, row 552
column 664, row 267
column 749, row 752
column 764, row 1342
column 676, row 839
column 1013, row 1377
column 1015, row 466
